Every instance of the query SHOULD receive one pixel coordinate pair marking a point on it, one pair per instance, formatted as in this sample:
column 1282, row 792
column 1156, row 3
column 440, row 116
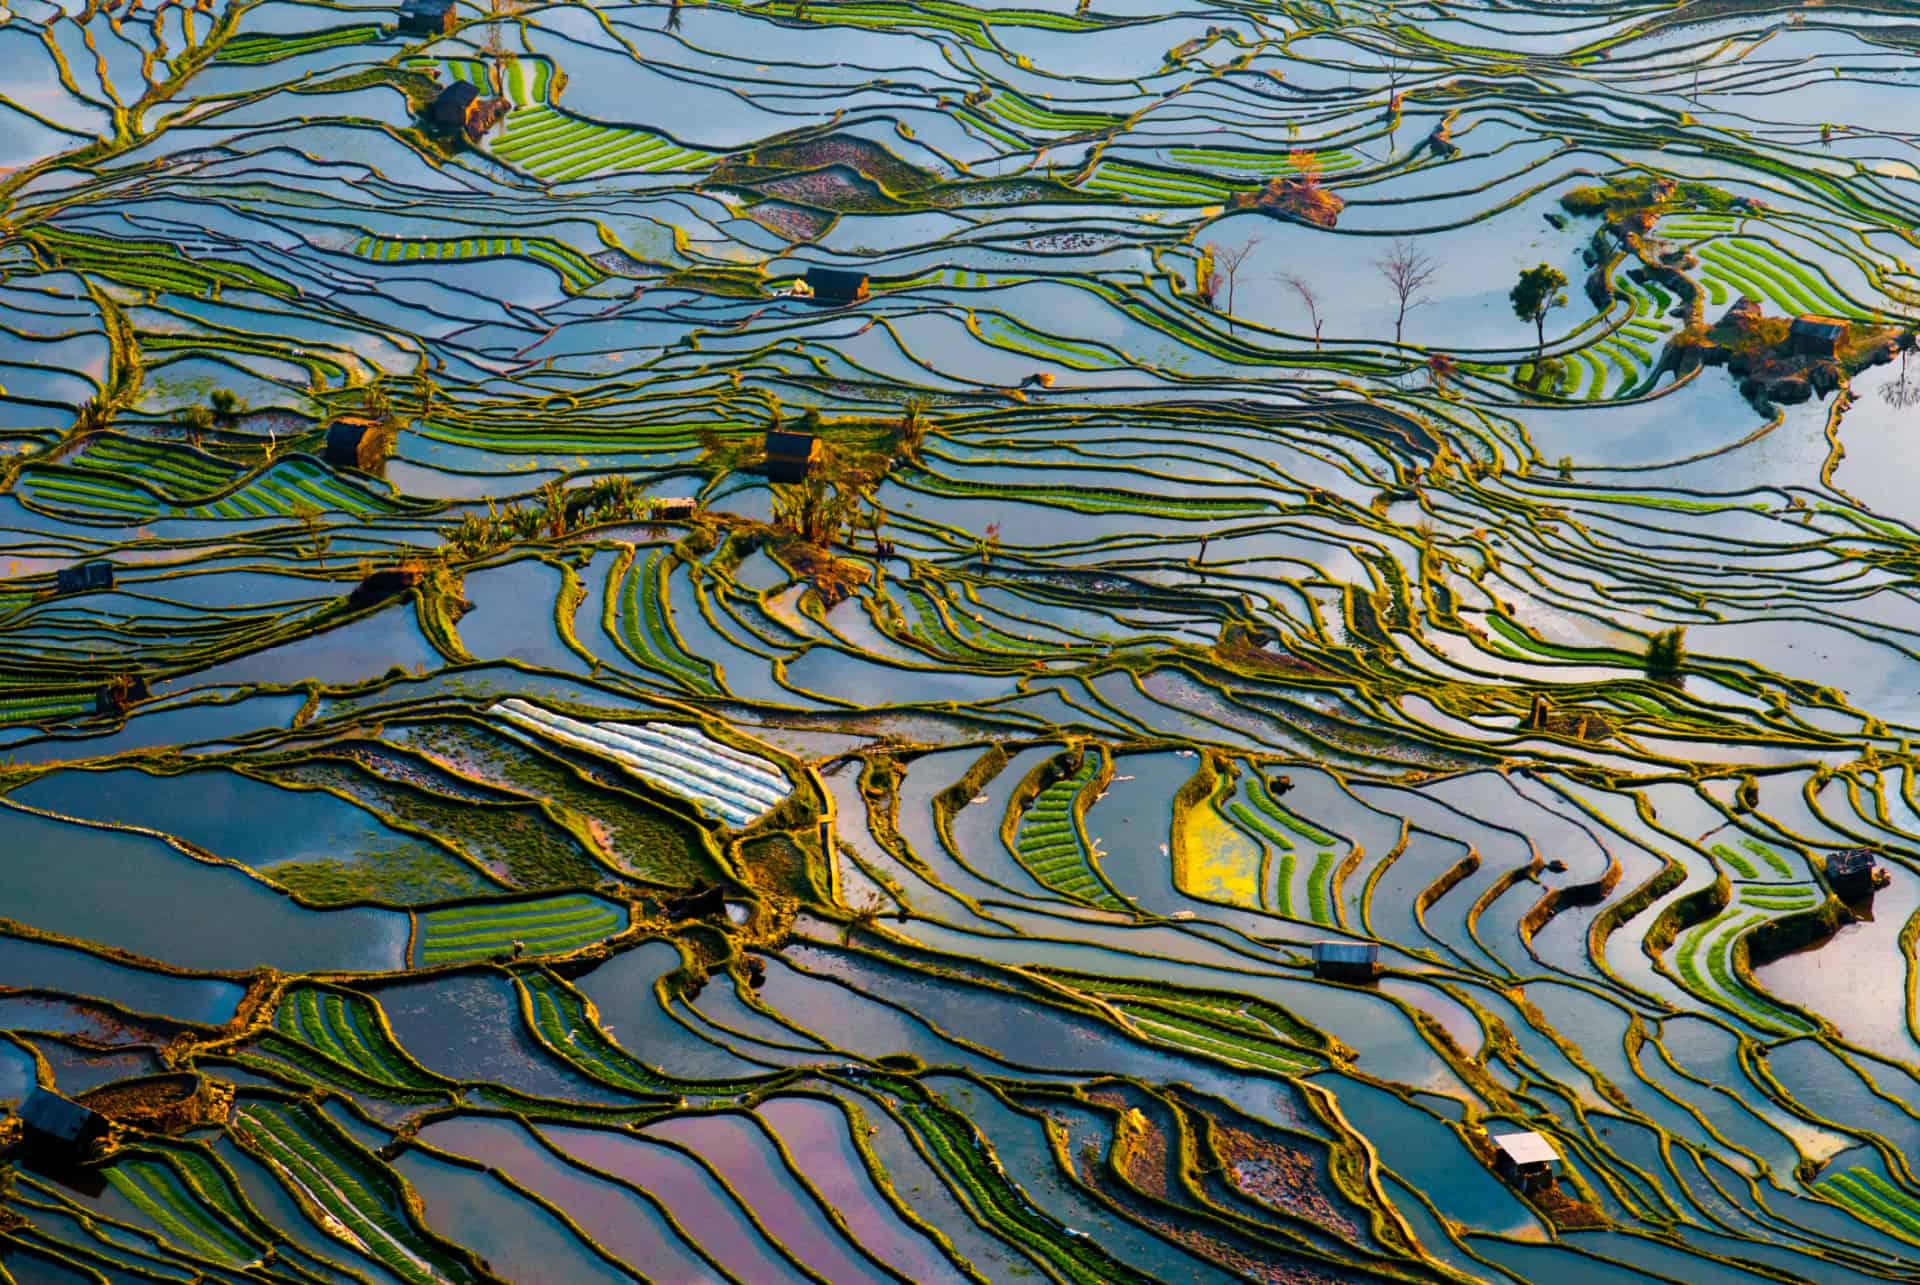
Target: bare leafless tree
column 1396, row 71
column 1228, row 261
column 1901, row 394
column 1308, row 296
column 1409, row 272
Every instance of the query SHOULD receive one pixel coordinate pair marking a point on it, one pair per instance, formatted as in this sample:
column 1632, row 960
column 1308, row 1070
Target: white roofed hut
column 1527, row 1160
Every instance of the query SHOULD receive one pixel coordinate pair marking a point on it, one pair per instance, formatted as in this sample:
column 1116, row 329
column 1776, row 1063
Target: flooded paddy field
column 860, row 641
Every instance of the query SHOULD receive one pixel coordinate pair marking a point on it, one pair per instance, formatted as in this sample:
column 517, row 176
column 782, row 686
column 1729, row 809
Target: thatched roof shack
column 426, row 17
column 1814, row 336
column 1346, row 960
column 87, row 575
column 835, row 285
column 353, row 442
column 455, row 103
column 1525, row 1159
column 1852, row 870
column 792, row 456
column 58, row 1128
column 116, row 697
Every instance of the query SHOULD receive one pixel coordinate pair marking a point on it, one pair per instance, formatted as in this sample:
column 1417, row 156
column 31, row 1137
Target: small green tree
column 1666, row 652
column 1540, row 290
column 195, row 419
column 226, row 405
column 911, row 432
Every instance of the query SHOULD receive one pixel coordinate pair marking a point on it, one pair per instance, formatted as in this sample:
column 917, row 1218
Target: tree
column 1308, row 296
column 374, row 402
column 308, row 515
column 226, row 405
column 1228, row 261
column 92, row 415
column 1408, row 273
column 1666, row 652
column 424, row 391
column 911, row 431
column 1540, row 290
column 815, row 511
column 1899, row 393
column 1396, row 71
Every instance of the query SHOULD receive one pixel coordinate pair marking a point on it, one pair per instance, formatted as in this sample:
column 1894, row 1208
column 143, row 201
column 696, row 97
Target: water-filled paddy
column 1171, row 595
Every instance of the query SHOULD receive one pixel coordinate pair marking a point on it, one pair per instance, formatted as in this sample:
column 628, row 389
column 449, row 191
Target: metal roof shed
column 1345, row 958
column 57, row 1125
column 1525, row 1149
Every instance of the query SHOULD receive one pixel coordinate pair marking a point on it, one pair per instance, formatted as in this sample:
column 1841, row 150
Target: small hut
column 115, row 697
column 1813, row 336
column 791, row 456
column 675, row 508
column 1852, row 870
column 454, row 107
column 1346, row 961
column 59, row 1130
column 835, row 285
column 88, row 575
column 702, row 901
column 356, row 443
column 426, row 17
column 1526, row 1160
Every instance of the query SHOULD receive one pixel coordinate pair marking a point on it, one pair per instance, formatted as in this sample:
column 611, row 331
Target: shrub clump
column 1666, row 652
column 1299, row 195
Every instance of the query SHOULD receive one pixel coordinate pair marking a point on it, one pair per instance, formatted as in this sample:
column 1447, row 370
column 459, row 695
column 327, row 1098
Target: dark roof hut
column 58, row 1128
column 791, row 456
column 1855, row 870
column 836, row 285
column 1813, row 336
column 1346, row 960
column 426, row 17
column 85, row 576
column 356, row 443
column 454, row 105
column 114, row 697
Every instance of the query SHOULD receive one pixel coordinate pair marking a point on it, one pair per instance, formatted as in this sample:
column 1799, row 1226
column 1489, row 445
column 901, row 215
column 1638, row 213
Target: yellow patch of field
column 1218, row 862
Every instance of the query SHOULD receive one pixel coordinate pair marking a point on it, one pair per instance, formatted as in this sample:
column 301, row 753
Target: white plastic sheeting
column 728, row 784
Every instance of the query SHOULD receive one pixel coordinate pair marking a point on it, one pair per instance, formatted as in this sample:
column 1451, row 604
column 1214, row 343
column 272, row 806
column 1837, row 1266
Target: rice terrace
column 951, row 641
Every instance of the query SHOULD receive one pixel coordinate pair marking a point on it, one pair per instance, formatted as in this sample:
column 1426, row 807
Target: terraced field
column 856, row 641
